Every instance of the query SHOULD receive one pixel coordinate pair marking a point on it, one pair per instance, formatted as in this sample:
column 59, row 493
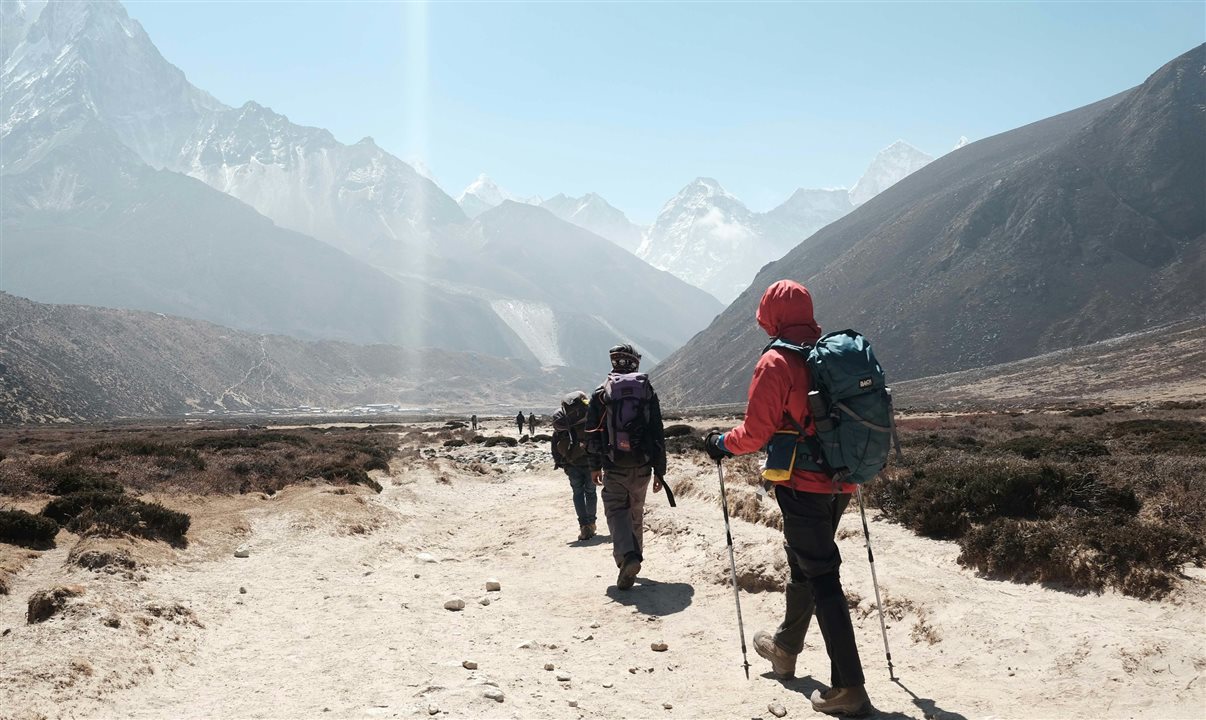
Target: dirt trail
column 337, row 622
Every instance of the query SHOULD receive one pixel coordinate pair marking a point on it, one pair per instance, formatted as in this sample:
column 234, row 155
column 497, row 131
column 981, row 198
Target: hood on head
column 785, row 311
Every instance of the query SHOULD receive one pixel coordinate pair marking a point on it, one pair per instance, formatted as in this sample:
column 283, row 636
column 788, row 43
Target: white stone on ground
column 242, row 551
column 776, row 709
column 426, row 557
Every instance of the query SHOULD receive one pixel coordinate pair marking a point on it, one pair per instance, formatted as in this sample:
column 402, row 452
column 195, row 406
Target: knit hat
column 624, row 358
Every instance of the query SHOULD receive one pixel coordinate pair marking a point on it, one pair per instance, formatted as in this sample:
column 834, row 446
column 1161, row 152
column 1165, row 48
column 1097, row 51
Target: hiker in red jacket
column 812, row 504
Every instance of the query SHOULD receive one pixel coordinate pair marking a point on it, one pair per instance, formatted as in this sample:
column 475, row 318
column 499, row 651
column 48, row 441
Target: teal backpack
column 850, row 404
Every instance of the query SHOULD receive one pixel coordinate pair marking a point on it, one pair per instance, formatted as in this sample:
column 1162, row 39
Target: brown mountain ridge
column 1074, row 229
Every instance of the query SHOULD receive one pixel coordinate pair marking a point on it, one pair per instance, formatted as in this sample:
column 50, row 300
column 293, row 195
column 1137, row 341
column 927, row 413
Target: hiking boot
column 852, row 701
column 584, row 532
column 628, row 572
column 590, row 531
column 783, row 663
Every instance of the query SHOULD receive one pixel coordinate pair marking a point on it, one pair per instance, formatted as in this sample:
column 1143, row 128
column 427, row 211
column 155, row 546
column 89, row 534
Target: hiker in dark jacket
column 532, row 424
column 473, row 422
column 812, row 504
column 624, row 452
column 569, row 454
column 519, row 422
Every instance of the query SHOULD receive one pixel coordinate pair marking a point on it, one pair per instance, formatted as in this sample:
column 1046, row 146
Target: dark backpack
column 850, row 404
column 627, row 400
column 569, row 432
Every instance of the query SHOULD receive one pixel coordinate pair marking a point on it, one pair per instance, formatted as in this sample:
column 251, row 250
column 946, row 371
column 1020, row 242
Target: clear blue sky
column 634, row 100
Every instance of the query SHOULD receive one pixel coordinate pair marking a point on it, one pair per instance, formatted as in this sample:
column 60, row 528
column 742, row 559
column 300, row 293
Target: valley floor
column 342, row 618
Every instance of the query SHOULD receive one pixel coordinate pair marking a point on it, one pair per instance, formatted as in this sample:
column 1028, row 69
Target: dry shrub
column 18, row 527
column 1033, row 447
column 114, row 515
column 943, row 499
column 243, row 439
column 679, row 430
column 170, row 457
column 1163, row 435
column 1086, row 553
column 67, row 479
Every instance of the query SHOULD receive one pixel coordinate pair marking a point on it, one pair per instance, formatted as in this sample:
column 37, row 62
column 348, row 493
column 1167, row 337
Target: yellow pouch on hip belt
column 781, row 454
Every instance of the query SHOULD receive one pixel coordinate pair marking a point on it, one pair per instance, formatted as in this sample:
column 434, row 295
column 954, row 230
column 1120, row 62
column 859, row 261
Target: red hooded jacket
column 781, row 383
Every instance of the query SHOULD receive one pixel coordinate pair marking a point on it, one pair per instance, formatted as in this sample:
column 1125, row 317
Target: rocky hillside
column 84, row 363
column 1162, row 365
column 1073, row 229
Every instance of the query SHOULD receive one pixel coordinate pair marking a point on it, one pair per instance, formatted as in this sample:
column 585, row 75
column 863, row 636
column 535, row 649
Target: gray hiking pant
column 624, row 505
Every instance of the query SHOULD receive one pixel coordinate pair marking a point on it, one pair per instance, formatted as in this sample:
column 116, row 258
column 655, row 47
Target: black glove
column 711, row 445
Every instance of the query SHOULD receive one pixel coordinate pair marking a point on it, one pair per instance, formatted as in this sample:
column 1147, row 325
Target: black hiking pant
column 810, row 522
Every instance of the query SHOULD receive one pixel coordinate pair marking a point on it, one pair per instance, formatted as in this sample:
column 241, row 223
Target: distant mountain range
column 1073, row 229
column 126, row 186
column 709, row 238
column 79, row 363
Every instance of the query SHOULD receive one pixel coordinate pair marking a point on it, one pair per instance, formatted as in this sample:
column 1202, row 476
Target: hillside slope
column 85, row 363
column 1165, row 364
column 1070, row 230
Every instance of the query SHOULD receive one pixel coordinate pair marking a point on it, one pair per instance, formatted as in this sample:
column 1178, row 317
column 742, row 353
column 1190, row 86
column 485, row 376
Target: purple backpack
column 627, row 396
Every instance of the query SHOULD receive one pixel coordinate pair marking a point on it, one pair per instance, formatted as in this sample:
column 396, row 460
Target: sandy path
column 338, row 625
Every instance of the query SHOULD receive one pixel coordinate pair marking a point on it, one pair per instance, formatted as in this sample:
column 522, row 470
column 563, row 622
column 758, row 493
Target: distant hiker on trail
column 569, row 454
column 626, row 446
column 519, row 421
column 812, row 504
column 532, row 424
column 473, row 422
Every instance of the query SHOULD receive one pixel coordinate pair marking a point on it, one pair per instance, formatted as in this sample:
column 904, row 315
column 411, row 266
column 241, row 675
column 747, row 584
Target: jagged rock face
column 1074, row 229
column 594, row 213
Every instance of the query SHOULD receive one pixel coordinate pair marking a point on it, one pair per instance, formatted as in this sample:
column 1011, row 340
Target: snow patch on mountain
column 536, row 325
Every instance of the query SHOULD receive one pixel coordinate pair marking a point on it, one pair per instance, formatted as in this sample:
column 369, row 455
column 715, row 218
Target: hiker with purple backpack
column 626, row 447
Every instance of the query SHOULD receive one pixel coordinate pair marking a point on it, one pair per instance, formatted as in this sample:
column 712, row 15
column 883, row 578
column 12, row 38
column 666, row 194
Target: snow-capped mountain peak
column 594, row 213
column 890, row 166
column 483, row 193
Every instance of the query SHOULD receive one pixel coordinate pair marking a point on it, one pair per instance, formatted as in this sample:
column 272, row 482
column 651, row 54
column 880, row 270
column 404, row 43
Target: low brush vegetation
column 97, row 475
column 1085, row 500
column 18, row 527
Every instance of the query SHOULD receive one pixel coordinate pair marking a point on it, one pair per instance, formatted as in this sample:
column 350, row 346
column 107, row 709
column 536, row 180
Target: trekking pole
column 724, row 504
column 883, row 627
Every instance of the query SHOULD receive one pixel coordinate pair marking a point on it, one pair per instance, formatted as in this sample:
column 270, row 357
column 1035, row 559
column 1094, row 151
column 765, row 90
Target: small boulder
column 776, row 709
column 484, row 601
column 493, row 585
column 433, row 709
column 573, row 703
column 609, row 685
column 455, row 604
column 469, row 665
column 548, row 666
column 242, row 551
column 668, row 706
column 425, row 557
column 563, row 677
column 659, row 647
column 494, row 694
column 242, row 590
